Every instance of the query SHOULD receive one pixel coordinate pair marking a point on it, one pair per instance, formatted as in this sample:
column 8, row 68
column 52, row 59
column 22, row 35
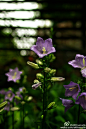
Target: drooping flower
column 43, row 48
column 72, row 89
column 13, row 75
column 79, row 62
column 9, row 95
column 34, row 86
column 82, row 100
column 67, row 103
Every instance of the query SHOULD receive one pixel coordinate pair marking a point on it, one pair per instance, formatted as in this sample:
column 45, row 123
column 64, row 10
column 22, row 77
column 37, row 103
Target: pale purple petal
column 67, row 103
column 82, row 100
column 34, row 86
column 83, row 72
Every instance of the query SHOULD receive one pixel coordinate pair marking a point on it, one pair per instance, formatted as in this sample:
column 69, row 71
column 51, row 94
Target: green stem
column 44, row 125
column 13, row 120
column 78, row 114
column 23, row 116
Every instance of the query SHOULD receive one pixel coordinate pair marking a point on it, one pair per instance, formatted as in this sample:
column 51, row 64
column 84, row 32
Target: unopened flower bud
column 15, row 108
column 33, row 65
column 51, row 57
column 52, row 71
column 17, row 97
column 39, row 62
column 36, row 81
column 47, row 69
column 23, row 102
column 39, row 76
column 57, row 79
column 29, row 98
column 51, row 105
column 3, row 104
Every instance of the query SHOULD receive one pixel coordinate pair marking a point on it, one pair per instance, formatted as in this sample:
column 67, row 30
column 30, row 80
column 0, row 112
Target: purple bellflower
column 67, row 103
column 72, row 89
column 13, row 75
column 82, row 100
column 43, row 48
column 9, row 95
column 79, row 62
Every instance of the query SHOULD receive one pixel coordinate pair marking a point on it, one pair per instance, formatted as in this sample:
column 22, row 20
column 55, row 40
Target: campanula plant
column 45, row 79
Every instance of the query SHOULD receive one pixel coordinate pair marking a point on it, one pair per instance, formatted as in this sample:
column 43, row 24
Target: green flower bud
column 29, row 98
column 57, row 79
column 36, row 81
column 17, row 97
column 33, row 65
column 3, row 104
column 51, row 105
column 51, row 57
column 39, row 62
column 52, row 71
column 23, row 102
column 14, row 108
column 39, row 76
column 42, row 116
column 47, row 69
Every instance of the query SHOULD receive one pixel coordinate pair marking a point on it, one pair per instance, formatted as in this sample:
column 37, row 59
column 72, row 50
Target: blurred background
column 21, row 22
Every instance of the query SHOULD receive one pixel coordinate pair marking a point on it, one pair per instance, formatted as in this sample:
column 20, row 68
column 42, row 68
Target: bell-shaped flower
column 43, row 48
column 79, row 62
column 72, row 89
column 82, row 100
column 67, row 103
column 36, row 85
column 13, row 75
column 9, row 95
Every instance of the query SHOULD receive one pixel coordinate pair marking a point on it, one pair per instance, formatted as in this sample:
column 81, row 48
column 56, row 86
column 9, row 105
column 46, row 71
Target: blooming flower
column 43, row 48
column 9, row 95
column 67, row 103
column 79, row 62
column 72, row 89
column 34, row 86
column 13, row 75
column 82, row 100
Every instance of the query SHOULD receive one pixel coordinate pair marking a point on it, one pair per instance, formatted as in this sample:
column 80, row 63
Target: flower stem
column 78, row 114
column 13, row 120
column 23, row 115
column 44, row 125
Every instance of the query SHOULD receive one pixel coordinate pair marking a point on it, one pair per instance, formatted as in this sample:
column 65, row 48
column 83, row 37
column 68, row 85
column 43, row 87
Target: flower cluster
column 73, row 89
